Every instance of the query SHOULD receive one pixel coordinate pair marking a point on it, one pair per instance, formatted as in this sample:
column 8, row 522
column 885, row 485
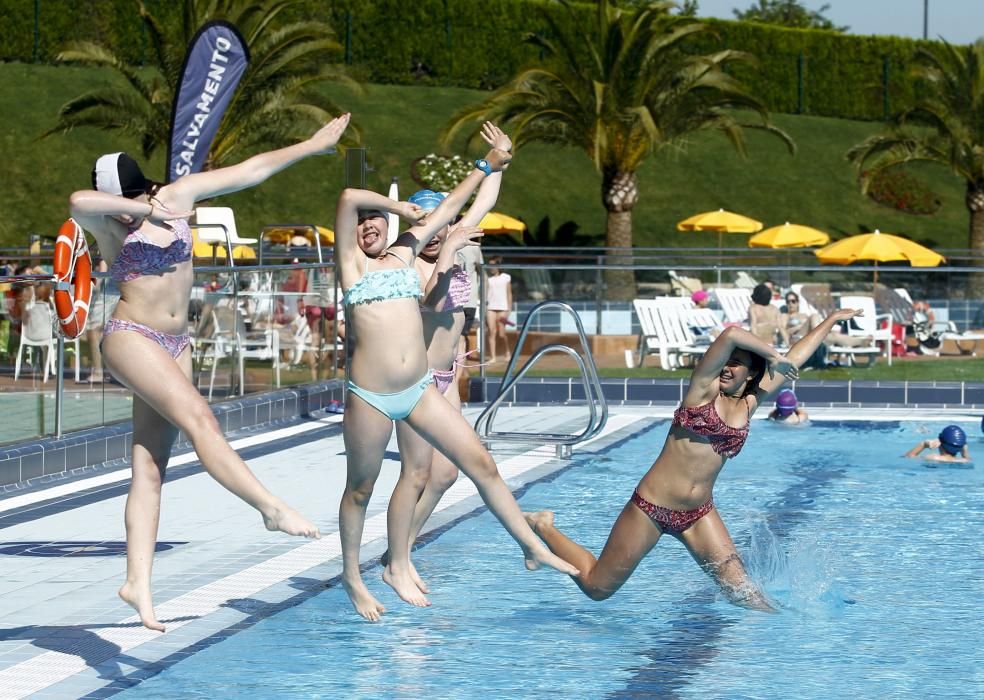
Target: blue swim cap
column 427, row 199
column 786, row 402
column 952, row 439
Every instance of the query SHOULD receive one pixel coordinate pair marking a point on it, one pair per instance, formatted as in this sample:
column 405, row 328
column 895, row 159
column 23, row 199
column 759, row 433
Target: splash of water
column 795, row 572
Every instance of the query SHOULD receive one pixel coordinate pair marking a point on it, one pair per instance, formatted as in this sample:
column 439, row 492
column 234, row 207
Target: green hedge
column 472, row 44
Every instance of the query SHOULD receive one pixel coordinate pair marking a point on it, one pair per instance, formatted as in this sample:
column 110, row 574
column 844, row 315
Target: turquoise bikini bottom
column 395, row 406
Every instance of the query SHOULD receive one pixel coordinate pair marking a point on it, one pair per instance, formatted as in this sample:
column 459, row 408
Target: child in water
column 787, row 409
column 951, row 446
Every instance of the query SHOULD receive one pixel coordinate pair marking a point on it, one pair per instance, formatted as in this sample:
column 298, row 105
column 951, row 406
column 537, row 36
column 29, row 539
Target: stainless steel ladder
column 597, row 406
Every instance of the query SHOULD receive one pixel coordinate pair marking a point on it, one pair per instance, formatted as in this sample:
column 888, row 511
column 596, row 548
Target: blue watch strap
column 484, row 166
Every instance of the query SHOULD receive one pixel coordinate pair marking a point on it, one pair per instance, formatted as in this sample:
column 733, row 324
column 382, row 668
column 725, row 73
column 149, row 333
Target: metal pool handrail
column 589, row 379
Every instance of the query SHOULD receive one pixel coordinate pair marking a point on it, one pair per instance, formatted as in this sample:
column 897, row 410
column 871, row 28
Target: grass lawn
column 815, row 187
column 925, row 369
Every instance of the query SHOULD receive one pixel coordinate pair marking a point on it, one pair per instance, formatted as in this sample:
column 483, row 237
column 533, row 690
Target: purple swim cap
column 786, row 402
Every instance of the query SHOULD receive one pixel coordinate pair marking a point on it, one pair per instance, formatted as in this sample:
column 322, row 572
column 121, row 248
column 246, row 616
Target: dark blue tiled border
column 24, row 465
column 965, row 395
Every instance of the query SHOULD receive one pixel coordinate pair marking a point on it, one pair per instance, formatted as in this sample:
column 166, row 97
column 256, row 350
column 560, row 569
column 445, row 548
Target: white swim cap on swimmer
column 119, row 174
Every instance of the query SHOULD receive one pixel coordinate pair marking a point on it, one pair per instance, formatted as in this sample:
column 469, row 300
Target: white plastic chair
column 868, row 324
column 665, row 333
column 38, row 330
column 217, row 226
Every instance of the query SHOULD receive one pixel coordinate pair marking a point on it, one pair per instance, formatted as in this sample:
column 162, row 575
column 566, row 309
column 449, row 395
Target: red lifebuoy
column 73, row 279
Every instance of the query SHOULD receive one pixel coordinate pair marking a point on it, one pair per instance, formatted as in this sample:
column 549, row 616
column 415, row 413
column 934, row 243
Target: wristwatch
column 484, row 166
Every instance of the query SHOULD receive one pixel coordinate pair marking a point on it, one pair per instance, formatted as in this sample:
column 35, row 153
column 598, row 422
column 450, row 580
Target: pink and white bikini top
column 139, row 257
column 459, row 290
column 705, row 421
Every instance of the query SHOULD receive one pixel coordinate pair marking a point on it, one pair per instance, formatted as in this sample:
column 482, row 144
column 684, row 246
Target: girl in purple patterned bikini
column 675, row 495
column 143, row 232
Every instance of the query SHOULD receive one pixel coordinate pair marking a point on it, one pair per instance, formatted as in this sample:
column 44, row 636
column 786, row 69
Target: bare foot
column 285, row 519
column 362, row 600
column 140, row 601
column 405, row 587
column 541, row 556
column 543, row 518
column 419, row 582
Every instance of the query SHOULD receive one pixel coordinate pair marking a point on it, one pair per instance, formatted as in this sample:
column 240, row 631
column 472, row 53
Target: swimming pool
column 874, row 559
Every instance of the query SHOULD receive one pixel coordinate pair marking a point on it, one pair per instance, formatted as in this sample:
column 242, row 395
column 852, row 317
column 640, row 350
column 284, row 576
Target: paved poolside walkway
column 64, row 632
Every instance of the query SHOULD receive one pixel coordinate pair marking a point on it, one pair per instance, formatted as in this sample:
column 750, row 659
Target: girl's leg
column 631, row 539
column 446, row 429
column 150, row 372
column 153, row 437
column 415, row 461
column 500, row 325
column 366, row 432
column 491, row 321
column 443, row 474
column 710, row 545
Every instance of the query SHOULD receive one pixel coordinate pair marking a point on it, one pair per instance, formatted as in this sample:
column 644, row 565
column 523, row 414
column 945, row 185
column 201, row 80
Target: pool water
column 874, row 560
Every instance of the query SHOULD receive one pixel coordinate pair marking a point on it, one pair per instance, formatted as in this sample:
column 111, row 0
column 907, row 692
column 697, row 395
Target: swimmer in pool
column 738, row 374
column 787, row 409
column 950, row 446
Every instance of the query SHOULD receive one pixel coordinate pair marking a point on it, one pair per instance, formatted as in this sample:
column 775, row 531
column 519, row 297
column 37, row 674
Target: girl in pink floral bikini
column 675, row 495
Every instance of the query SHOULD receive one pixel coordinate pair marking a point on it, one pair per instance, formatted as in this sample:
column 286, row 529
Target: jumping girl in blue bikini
column 389, row 378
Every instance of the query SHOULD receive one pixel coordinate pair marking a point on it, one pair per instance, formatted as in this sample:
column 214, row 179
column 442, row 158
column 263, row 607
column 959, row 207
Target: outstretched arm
column 803, row 350
column 488, row 191
column 418, row 236
column 189, row 189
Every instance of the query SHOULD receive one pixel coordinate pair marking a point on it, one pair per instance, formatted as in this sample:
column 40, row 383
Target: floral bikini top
column 380, row 285
column 139, row 257
column 459, row 290
column 705, row 421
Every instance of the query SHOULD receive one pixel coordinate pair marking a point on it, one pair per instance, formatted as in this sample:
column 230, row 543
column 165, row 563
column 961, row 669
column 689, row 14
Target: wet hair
column 762, row 295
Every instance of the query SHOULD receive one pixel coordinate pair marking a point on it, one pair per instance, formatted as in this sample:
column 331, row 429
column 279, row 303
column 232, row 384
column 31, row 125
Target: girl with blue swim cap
column 950, row 444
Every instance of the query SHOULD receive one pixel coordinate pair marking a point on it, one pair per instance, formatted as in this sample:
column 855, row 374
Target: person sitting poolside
column 787, row 409
column 951, row 446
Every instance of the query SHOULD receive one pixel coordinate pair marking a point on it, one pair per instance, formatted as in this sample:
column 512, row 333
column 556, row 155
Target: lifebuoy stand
column 73, row 279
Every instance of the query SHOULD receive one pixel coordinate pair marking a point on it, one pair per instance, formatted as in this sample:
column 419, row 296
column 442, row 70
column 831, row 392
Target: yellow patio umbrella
column 788, row 236
column 878, row 247
column 283, row 234
column 721, row 221
column 494, row 222
column 200, row 249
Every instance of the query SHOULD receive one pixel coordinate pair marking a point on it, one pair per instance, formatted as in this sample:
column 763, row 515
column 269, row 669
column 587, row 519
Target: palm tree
column 945, row 125
column 620, row 90
column 275, row 103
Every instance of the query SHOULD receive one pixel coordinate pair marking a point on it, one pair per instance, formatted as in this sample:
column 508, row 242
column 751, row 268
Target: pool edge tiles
column 111, row 658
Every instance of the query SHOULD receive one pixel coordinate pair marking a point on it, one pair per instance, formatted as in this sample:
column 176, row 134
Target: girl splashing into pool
column 143, row 232
column 675, row 495
column 389, row 380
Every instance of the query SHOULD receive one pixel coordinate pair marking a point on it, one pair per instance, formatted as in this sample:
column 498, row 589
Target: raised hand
column 462, row 237
column 409, row 212
column 845, row 314
column 784, row 367
column 326, row 137
column 496, row 137
column 498, row 159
